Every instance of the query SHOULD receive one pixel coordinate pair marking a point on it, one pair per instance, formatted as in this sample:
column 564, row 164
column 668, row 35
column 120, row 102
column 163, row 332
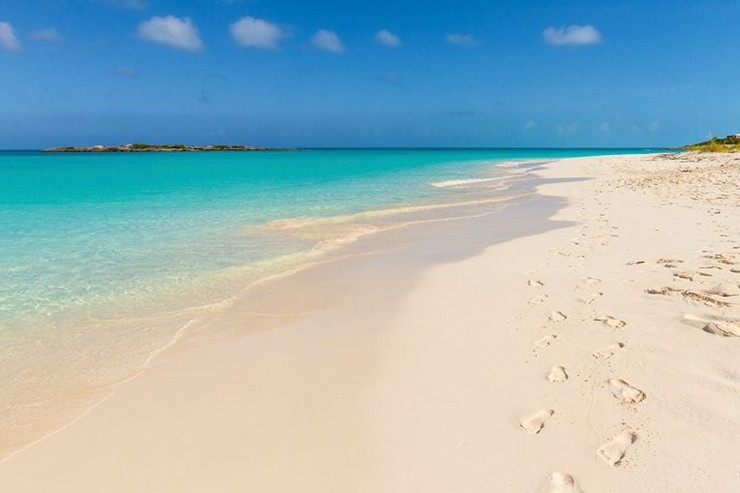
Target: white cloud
column 387, row 38
column 256, row 33
column 49, row 35
column 572, row 35
column 328, row 41
column 171, row 31
column 8, row 40
column 529, row 124
column 461, row 39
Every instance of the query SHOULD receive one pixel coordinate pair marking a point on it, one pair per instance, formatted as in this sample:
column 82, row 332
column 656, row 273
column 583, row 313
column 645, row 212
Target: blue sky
column 368, row 73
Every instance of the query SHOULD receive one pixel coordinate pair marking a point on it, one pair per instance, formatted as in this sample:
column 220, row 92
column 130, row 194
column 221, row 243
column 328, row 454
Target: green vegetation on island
column 138, row 147
column 731, row 143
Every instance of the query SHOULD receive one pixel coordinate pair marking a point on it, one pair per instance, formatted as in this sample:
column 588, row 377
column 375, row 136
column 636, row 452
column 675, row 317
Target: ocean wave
column 510, row 165
column 291, row 224
column 340, row 238
column 461, row 183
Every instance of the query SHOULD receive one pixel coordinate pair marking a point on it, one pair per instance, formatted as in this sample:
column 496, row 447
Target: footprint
column 591, row 280
column 703, row 298
column 535, row 283
column 725, row 290
column 669, row 261
column 608, row 351
column 545, row 341
column 724, row 329
column 684, row 275
column 557, row 374
column 723, row 259
column 557, row 316
column 625, row 392
column 534, row 423
column 713, row 324
column 613, row 451
column 663, row 291
column 587, row 300
column 538, row 300
column 612, row 322
column 559, row 482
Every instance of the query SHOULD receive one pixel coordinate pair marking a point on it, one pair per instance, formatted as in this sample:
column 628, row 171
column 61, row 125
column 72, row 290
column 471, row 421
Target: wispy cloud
column 48, row 35
column 457, row 39
column 327, row 41
column 123, row 71
column 387, row 38
column 251, row 32
column 175, row 32
column 573, row 35
column 8, row 39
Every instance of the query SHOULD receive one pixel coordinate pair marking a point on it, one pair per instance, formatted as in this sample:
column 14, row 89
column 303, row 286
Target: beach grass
column 731, row 143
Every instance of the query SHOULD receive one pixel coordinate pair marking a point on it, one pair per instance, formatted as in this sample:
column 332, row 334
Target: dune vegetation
column 731, row 143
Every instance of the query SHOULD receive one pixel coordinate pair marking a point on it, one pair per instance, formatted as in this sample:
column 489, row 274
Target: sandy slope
column 600, row 357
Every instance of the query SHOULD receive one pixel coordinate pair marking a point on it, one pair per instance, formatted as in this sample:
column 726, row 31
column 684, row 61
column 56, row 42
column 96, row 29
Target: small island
column 160, row 148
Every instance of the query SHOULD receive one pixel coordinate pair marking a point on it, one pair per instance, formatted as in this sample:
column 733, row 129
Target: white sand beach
column 597, row 351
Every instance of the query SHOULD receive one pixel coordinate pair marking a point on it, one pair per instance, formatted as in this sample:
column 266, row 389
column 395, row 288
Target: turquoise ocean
column 99, row 248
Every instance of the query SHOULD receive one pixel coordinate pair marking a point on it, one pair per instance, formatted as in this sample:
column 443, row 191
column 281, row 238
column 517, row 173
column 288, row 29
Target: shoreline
column 57, row 379
column 57, row 390
column 419, row 384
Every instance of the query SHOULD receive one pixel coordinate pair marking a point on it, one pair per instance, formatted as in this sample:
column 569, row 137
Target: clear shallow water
column 104, row 256
column 115, row 229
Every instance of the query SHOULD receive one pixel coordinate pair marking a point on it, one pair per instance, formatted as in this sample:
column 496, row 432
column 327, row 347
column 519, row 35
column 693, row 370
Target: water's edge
column 70, row 382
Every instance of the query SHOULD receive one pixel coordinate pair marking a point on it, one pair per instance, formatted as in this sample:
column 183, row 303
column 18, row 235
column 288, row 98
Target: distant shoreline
column 162, row 148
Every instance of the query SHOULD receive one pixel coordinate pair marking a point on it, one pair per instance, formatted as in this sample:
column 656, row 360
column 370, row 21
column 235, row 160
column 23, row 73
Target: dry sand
column 599, row 357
